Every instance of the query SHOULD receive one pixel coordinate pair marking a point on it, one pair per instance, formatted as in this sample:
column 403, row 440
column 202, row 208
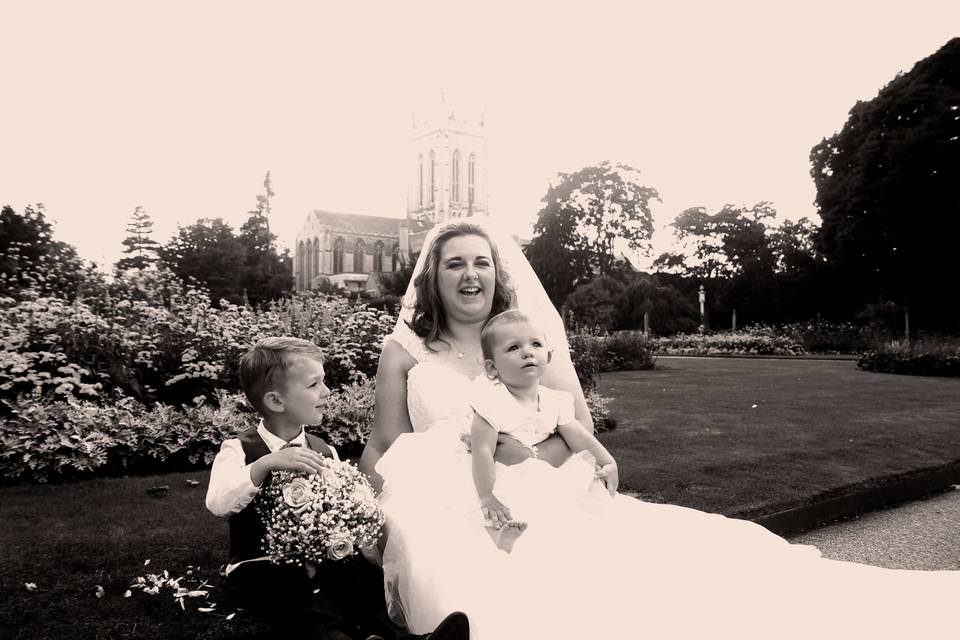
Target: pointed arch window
column 378, row 256
column 301, row 264
column 316, row 257
column 420, row 179
column 358, row 256
column 455, row 177
column 471, row 179
column 433, row 175
column 395, row 256
column 308, row 263
column 338, row 255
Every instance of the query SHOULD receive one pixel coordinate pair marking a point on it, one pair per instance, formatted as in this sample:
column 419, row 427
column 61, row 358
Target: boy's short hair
column 488, row 335
column 264, row 366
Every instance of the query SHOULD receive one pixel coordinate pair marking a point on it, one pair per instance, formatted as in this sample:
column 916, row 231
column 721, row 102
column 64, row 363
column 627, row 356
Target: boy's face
column 520, row 354
column 303, row 393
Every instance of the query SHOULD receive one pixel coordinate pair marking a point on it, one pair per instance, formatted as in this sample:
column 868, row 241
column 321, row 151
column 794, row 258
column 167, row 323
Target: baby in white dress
column 513, row 401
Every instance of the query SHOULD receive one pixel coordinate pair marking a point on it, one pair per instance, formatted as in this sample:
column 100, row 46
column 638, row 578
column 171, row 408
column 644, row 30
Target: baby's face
column 520, row 353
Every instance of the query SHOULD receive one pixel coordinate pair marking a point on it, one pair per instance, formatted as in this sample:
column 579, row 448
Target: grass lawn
column 70, row 538
column 688, row 434
column 749, row 437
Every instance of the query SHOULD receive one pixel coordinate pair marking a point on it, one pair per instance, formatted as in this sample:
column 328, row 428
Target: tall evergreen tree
column 267, row 274
column 209, row 252
column 139, row 247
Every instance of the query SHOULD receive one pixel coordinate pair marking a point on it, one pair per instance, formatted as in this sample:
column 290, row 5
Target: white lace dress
column 593, row 566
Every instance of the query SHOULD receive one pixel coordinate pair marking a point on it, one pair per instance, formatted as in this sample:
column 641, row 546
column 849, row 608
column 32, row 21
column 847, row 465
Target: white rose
column 340, row 548
column 329, row 477
column 297, row 493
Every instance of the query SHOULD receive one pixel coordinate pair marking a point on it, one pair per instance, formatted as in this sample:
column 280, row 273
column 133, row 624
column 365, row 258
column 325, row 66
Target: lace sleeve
column 411, row 342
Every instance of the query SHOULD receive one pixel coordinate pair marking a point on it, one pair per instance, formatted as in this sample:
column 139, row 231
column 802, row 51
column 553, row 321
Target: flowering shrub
column 348, row 415
column 924, row 357
column 755, row 341
column 618, row 351
column 53, row 439
column 827, row 337
column 602, row 421
column 164, row 340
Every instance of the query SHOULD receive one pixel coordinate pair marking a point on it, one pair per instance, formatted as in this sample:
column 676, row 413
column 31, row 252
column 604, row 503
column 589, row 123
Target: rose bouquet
column 320, row 516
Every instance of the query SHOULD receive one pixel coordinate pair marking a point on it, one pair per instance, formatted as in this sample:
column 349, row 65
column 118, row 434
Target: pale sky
column 181, row 107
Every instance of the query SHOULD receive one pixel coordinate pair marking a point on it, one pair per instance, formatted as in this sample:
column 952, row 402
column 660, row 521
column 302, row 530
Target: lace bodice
column 438, row 385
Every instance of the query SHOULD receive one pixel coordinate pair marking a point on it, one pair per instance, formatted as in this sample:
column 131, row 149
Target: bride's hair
column 429, row 319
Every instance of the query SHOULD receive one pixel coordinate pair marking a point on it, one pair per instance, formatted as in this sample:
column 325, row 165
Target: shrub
column 602, row 421
column 594, row 305
column 828, row 337
column 924, row 357
column 619, row 351
column 753, row 341
column 670, row 310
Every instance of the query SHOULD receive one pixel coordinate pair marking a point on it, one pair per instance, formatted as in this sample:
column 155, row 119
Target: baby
column 516, row 355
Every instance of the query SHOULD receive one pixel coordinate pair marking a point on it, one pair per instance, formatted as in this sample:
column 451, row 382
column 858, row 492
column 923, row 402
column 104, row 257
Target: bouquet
column 320, row 516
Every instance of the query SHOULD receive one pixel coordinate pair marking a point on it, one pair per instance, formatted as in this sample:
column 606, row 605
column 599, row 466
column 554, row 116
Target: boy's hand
column 495, row 511
column 610, row 476
column 295, row 459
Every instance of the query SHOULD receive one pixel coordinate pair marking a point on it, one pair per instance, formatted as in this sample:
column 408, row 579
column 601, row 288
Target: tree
column 209, row 252
column 31, row 259
column 604, row 203
column 584, row 215
column 560, row 266
column 887, row 195
column 138, row 245
column 670, row 310
column 730, row 242
column 267, row 274
column 594, row 305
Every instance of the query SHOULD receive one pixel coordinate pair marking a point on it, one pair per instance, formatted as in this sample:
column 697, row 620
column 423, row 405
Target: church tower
column 448, row 168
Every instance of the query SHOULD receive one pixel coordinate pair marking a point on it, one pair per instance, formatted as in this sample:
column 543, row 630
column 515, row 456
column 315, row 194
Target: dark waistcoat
column 246, row 529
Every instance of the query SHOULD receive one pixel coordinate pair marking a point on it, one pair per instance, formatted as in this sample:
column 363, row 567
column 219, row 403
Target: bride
column 587, row 564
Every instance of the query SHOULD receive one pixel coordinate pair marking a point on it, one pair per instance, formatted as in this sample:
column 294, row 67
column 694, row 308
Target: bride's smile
column 467, row 277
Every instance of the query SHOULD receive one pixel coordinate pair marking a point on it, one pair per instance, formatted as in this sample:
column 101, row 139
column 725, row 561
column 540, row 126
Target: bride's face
column 466, row 278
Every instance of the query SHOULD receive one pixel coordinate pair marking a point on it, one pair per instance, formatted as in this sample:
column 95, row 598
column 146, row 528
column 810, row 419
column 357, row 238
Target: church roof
column 356, row 223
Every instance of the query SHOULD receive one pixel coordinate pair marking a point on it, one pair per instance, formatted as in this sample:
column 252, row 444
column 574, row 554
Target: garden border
column 858, row 499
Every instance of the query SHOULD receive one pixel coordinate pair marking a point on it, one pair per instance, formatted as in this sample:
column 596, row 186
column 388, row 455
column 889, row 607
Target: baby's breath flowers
column 322, row 516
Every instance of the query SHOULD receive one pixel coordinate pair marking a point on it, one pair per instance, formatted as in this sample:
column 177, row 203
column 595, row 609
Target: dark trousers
column 348, row 603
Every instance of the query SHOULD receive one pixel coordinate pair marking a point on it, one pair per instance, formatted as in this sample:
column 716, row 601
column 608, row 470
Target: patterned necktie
column 291, row 444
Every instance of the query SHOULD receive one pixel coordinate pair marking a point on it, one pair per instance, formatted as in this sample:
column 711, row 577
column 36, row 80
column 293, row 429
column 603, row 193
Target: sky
column 182, row 107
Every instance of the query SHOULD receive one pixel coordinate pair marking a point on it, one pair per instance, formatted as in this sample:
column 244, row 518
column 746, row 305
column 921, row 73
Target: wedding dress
column 591, row 565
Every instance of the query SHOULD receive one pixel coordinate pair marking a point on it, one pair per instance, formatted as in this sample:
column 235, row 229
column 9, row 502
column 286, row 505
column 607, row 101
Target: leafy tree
column 594, row 305
column 671, row 311
column 597, row 206
column 140, row 248
column 30, row 259
column 267, row 274
column 730, row 242
column 208, row 252
column 887, row 194
column 551, row 253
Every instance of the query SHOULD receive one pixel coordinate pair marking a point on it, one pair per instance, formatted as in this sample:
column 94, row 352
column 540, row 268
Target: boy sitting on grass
column 283, row 379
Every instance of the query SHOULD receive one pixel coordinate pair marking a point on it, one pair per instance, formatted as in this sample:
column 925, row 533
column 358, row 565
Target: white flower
column 340, row 548
column 329, row 477
column 297, row 493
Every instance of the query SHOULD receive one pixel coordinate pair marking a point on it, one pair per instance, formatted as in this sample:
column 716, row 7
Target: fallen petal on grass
column 127, row 593
column 31, row 586
column 231, row 616
column 100, row 592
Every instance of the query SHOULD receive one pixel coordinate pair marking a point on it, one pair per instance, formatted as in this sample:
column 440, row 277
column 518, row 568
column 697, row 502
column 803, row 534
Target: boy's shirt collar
column 274, row 443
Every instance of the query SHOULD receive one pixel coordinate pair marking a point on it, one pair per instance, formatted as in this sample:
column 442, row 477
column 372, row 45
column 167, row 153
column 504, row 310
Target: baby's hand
column 609, row 475
column 494, row 510
column 295, row 459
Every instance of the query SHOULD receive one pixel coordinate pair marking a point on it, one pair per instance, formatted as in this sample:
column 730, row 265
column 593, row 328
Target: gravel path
column 924, row 534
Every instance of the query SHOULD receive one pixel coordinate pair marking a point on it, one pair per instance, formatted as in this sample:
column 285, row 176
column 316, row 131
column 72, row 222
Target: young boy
column 516, row 355
column 283, row 379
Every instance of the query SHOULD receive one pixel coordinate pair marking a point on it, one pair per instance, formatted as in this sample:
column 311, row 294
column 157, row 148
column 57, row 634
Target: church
column 446, row 179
